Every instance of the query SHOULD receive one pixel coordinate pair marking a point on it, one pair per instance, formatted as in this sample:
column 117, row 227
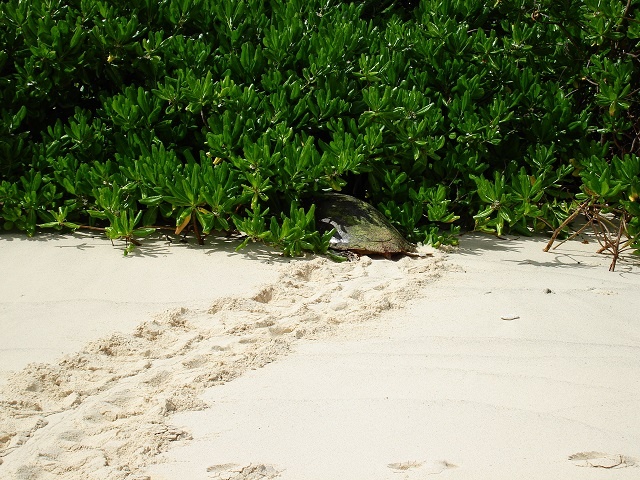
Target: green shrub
column 223, row 115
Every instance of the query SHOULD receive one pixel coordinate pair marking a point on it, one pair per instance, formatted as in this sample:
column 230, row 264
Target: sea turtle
column 359, row 227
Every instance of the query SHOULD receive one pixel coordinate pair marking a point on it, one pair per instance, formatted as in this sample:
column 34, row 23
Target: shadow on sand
column 578, row 253
column 159, row 244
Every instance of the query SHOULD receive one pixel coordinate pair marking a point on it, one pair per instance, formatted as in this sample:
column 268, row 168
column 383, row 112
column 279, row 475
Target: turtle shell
column 359, row 227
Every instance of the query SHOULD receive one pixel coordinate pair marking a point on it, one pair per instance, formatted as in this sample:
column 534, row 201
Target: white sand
column 59, row 292
column 309, row 369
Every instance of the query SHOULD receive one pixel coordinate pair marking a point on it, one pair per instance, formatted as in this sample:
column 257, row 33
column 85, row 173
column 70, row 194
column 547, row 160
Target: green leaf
column 143, row 232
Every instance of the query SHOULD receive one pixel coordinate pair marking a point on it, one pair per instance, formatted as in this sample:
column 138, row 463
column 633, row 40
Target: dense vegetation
column 230, row 115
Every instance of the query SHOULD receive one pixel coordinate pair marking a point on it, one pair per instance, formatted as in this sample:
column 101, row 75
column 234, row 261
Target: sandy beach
column 495, row 360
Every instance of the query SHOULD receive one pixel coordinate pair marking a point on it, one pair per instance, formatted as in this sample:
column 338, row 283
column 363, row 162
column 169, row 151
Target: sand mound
column 103, row 413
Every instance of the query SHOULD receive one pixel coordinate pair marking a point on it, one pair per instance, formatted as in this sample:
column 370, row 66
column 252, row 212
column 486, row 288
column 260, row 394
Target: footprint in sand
column 602, row 460
column 413, row 470
column 232, row 471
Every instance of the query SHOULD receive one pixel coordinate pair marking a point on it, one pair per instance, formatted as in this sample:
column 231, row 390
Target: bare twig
column 616, row 247
column 569, row 219
column 609, row 234
column 90, row 227
column 575, row 234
